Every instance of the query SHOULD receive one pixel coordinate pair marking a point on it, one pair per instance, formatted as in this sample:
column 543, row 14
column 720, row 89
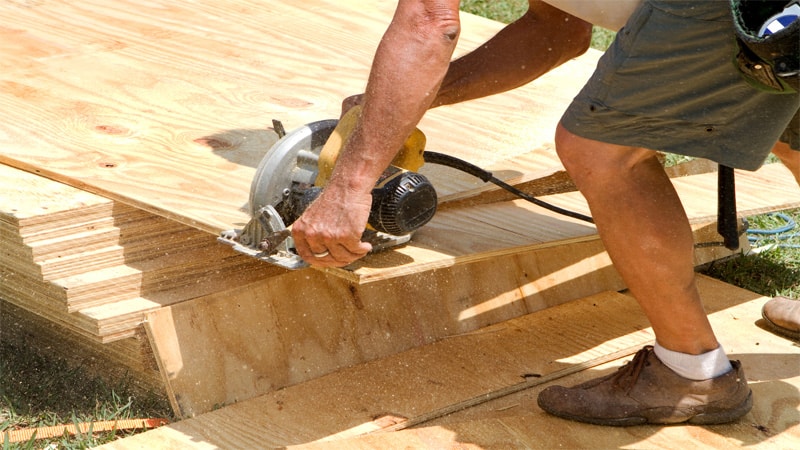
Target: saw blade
column 293, row 159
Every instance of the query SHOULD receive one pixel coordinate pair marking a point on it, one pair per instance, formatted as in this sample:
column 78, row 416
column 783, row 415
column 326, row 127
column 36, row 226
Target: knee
column 569, row 152
column 580, row 157
column 595, row 163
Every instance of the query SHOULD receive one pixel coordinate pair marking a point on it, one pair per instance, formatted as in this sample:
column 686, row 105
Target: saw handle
column 409, row 157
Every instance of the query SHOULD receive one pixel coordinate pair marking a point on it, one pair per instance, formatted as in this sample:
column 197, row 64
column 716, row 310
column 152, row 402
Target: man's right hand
column 328, row 234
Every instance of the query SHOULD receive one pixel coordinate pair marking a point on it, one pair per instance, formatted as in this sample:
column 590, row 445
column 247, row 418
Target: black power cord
column 464, row 166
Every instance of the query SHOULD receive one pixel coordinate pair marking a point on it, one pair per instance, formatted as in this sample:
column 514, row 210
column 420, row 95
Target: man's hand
column 328, row 234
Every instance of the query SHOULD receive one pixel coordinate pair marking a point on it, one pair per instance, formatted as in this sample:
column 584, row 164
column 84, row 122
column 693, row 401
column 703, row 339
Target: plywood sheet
column 236, row 344
column 95, row 266
column 462, row 235
column 463, row 372
column 167, row 105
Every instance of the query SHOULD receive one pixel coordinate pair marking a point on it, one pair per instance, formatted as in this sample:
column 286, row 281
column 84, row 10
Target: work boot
column 782, row 315
column 646, row 391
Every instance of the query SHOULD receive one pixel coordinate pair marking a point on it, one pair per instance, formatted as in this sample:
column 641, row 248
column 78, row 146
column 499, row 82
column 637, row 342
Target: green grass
column 37, row 391
column 774, row 267
column 508, row 11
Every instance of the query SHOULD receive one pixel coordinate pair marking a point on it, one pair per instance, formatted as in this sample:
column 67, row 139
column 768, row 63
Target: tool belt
column 768, row 61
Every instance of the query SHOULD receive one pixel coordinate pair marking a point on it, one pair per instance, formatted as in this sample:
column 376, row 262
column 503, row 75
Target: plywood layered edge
column 97, row 266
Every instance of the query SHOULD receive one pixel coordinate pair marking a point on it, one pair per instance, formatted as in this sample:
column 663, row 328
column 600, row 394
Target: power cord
column 486, row 176
column 779, row 234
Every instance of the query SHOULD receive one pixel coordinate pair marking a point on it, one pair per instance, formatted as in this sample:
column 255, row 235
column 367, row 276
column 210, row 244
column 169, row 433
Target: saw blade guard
column 293, row 159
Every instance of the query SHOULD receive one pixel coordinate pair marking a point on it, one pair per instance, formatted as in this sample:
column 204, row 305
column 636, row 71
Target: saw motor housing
column 293, row 173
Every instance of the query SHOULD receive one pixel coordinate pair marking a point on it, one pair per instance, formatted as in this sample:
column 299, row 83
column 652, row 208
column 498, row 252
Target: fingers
column 329, row 252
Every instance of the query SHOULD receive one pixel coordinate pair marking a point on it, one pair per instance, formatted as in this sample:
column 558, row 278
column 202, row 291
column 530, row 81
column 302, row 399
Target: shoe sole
column 705, row 418
column 777, row 329
column 725, row 416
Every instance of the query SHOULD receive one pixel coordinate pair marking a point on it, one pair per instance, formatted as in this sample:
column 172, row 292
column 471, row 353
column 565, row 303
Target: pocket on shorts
column 626, row 36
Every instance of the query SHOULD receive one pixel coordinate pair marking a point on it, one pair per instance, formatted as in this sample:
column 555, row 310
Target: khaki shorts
column 668, row 83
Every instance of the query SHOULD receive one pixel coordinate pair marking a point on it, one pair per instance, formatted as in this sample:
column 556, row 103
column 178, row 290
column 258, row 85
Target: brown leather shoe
column 782, row 315
column 646, row 391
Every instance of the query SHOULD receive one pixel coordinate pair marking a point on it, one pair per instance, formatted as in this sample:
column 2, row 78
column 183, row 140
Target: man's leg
column 686, row 376
column 645, row 231
column 782, row 314
column 790, row 158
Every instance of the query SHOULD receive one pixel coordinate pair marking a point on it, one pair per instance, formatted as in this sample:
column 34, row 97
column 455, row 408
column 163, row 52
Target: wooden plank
column 430, row 380
column 47, row 203
column 194, row 128
column 463, row 235
column 515, row 421
column 462, row 367
column 309, row 324
column 181, row 96
column 206, row 337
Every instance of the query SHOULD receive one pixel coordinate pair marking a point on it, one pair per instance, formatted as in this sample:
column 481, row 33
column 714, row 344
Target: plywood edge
column 159, row 327
column 771, row 188
column 449, row 376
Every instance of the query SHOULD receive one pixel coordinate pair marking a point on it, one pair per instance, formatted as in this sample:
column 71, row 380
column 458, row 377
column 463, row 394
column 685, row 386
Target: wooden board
column 95, row 266
column 181, row 96
column 771, row 364
column 461, row 235
column 560, row 344
column 307, row 324
column 167, row 106
column 309, row 316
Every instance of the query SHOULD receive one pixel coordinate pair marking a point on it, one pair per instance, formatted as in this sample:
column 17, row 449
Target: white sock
column 695, row 367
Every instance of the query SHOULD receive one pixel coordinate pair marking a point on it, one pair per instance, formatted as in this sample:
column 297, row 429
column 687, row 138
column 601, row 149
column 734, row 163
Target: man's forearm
column 542, row 39
column 408, row 68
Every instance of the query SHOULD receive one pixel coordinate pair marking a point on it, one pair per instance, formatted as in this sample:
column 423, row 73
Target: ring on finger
column 321, row 254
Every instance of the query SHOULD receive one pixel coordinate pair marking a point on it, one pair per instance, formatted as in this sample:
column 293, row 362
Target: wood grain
column 167, row 105
column 330, row 411
column 205, row 345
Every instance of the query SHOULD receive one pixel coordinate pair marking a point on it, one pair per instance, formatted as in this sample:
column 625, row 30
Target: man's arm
column 409, row 65
column 412, row 72
column 542, row 39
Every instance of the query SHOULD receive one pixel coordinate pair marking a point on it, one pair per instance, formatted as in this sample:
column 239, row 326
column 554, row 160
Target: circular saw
column 297, row 167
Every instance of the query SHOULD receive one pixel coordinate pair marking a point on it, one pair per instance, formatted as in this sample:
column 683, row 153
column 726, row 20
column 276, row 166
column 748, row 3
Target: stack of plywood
column 162, row 112
column 67, row 251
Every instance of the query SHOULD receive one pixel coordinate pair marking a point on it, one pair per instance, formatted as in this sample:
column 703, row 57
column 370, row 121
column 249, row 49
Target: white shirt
column 610, row 14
